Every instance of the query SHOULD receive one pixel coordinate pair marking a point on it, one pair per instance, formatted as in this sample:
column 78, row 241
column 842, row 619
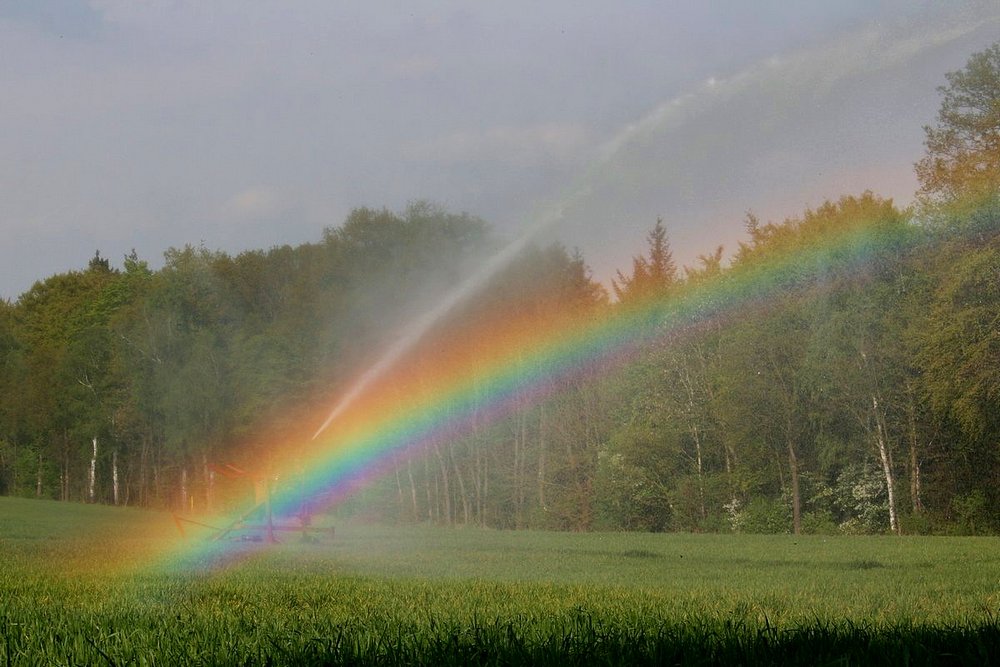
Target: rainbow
column 445, row 389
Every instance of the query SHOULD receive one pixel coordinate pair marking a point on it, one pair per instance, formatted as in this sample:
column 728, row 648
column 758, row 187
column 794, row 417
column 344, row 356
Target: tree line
column 837, row 374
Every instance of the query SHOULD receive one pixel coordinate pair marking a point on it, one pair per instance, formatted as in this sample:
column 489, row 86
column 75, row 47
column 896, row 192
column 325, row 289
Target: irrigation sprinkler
column 256, row 523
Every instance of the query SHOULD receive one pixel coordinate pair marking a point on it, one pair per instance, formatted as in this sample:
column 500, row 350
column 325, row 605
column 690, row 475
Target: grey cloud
column 253, row 124
column 73, row 19
column 521, row 146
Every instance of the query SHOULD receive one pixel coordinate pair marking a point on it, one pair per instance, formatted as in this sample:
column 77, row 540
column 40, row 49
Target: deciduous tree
column 963, row 149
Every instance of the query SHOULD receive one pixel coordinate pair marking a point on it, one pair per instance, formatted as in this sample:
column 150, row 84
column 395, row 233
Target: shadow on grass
column 586, row 643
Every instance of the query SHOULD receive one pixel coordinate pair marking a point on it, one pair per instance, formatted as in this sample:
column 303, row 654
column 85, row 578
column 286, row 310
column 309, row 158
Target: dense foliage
column 839, row 374
column 963, row 148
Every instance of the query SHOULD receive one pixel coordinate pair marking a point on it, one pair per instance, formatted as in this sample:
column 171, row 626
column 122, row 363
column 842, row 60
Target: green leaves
column 961, row 346
column 963, row 150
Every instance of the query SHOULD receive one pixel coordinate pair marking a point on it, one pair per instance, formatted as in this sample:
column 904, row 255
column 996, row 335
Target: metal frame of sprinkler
column 258, row 532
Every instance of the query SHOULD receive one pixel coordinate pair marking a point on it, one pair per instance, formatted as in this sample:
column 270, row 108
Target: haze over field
column 148, row 125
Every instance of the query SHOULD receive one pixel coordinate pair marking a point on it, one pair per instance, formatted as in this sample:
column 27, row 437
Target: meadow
column 86, row 584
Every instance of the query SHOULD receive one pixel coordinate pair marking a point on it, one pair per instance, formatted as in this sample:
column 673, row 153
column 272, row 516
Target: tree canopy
column 963, row 149
column 837, row 373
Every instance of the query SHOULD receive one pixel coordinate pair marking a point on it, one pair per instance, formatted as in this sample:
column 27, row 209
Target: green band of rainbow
column 483, row 387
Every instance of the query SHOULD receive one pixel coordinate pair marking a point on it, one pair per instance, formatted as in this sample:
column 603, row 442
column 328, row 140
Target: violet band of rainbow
column 377, row 436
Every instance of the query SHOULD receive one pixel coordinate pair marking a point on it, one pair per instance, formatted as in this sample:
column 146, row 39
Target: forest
column 835, row 373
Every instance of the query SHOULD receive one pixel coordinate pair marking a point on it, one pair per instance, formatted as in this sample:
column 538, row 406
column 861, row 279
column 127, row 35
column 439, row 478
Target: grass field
column 96, row 585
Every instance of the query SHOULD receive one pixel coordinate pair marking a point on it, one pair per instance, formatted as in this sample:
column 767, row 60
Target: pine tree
column 653, row 275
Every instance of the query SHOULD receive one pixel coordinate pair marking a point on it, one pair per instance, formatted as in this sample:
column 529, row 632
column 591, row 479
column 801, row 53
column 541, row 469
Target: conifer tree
column 653, row 275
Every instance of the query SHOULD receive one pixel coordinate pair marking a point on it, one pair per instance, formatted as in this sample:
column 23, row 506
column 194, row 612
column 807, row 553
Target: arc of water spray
column 548, row 218
column 674, row 110
column 419, row 327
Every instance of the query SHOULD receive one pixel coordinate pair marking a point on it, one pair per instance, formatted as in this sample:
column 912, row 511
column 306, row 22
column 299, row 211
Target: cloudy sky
column 245, row 124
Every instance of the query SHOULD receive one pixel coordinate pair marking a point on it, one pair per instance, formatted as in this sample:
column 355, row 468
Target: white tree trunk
column 886, row 459
column 399, row 494
column 916, row 502
column 413, row 491
column 445, row 483
column 209, row 476
column 461, row 484
column 689, row 385
column 114, row 475
column 92, row 480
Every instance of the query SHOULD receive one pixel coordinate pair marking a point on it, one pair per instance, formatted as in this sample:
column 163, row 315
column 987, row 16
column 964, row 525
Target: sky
column 246, row 124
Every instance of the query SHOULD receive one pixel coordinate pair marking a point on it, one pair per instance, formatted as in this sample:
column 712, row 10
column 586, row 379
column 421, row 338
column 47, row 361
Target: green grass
column 96, row 585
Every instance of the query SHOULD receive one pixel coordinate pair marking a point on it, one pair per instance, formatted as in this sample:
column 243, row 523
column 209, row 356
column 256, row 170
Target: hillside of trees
column 839, row 372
